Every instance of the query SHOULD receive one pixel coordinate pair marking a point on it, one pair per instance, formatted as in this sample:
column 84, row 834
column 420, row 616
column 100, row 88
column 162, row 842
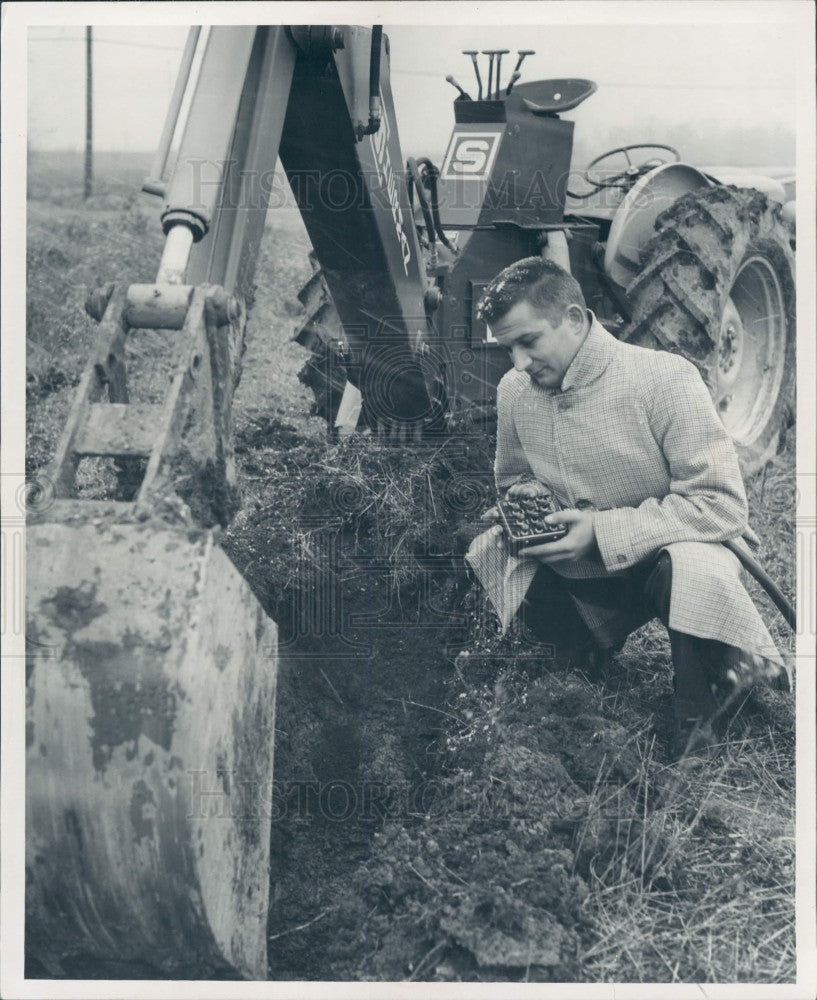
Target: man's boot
column 694, row 738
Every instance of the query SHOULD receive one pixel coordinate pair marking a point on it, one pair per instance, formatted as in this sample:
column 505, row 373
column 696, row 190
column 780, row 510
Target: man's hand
column 578, row 543
column 491, row 516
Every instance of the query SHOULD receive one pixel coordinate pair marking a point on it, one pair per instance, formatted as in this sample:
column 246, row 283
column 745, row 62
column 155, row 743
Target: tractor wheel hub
column 730, row 343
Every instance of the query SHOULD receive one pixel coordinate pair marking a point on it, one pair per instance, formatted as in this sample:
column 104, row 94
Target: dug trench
column 450, row 804
column 390, row 860
column 385, row 855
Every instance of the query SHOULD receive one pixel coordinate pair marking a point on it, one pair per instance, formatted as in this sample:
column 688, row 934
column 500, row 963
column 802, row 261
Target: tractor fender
column 789, row 214
column 633, row 224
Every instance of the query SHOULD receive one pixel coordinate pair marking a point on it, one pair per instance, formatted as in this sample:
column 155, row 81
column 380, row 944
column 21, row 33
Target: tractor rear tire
column 334, row 362
column 325, row 372
column 326, row 377
column 717, row 285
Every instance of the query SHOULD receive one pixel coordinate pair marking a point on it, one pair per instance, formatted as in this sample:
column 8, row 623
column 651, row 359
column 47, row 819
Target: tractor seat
column 550, row 97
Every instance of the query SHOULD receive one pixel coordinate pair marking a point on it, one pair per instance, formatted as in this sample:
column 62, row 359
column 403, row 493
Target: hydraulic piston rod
column 154, row 184
column 175, row 256
column 499, row 54
column 490, row 53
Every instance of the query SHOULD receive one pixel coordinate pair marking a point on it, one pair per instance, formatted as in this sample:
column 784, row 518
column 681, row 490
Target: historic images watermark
column 33, row 495
column 341, row 190
column 322, row 572
column 229, row 795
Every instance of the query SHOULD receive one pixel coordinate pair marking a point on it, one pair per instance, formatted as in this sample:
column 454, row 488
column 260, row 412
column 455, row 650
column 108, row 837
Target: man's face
column 543, row 351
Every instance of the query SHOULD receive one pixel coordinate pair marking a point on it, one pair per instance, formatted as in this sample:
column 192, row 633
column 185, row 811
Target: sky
column 720, row 88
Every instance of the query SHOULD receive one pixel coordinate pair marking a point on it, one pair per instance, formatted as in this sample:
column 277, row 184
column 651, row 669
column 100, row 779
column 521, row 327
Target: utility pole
column 89, row 115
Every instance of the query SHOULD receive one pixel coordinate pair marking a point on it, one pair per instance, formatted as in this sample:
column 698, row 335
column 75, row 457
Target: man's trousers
column 549, row 615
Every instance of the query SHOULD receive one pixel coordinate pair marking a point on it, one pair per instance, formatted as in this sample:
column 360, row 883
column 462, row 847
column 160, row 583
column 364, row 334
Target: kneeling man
column 630, row 443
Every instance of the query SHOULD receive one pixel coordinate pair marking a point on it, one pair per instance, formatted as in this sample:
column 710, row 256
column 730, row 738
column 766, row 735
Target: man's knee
column 548, row 613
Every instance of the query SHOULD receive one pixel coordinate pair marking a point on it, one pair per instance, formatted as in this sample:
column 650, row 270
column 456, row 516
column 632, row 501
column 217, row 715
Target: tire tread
column 687, row 271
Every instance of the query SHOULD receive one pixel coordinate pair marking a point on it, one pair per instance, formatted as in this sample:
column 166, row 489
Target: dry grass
column 690, row 874
column 701, row 890
column 705, row 891
column 392, row 505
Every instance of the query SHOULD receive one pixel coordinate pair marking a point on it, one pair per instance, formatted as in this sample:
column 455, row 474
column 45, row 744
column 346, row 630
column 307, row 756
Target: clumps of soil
column 268, row 432
column 45, row 382
column 400, row 508
column 400, row 869
column 210, row 499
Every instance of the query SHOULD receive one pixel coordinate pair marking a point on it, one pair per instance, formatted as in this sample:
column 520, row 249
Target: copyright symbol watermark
column 36, row 494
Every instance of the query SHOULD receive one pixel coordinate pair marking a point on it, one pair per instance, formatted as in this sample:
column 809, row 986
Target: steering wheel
column 629, row 176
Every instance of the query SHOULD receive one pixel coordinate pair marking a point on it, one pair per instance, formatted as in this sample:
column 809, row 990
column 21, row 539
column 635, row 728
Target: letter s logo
column 471, row 155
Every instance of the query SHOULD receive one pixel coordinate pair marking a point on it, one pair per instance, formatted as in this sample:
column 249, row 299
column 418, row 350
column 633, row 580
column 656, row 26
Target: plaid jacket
column 634, row 432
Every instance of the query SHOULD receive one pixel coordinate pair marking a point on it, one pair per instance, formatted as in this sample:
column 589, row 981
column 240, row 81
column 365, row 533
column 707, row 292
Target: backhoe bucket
column 149, row 750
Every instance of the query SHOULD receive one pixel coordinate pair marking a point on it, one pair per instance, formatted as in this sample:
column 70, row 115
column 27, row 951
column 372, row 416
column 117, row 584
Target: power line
column 634, row 86
column 439, row 76
column 107, row 41
column 89, row 113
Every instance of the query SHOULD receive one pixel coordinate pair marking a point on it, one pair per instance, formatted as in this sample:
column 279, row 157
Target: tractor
column 151, row 669
column 667, row 256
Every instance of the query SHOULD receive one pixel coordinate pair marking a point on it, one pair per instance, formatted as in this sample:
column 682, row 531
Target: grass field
column 528, row 823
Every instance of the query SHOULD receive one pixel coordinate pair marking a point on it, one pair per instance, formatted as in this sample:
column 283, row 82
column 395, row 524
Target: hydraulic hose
column 415, row 180
column 432, row 173
column 375, row 110
column 765, row 581
column 374, row 72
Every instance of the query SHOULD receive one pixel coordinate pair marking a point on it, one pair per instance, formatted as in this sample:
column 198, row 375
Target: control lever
column 473, row 54
column 490, row 53
column 514, row 77
column 522, row 53
column 499, row 54
column 450, row 79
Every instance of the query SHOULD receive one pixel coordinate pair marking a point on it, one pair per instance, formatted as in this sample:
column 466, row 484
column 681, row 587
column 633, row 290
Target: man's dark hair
column 546, row 286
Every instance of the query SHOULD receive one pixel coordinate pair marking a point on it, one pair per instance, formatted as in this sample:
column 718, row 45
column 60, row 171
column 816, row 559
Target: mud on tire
column 717, row 285
column 326, row 376
column 333, row 363
column 325, row 371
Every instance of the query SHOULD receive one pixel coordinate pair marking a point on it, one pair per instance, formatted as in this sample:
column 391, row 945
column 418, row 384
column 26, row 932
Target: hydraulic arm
column 320, row 98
